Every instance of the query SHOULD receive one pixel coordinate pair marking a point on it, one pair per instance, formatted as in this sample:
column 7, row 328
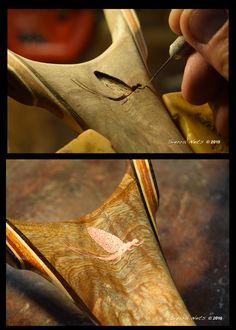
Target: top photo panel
column 117, row 81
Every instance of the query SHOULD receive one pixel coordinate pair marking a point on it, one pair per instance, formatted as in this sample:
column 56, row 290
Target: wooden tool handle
column 111, row 94
column 109, row 261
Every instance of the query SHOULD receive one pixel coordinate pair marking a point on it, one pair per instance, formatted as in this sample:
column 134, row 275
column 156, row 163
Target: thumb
column 206, row 30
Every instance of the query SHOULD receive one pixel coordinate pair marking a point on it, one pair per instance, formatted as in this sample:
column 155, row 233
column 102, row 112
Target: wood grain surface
column 183, row 257
column 25, row 123
column 137, row 288
column 104, row 94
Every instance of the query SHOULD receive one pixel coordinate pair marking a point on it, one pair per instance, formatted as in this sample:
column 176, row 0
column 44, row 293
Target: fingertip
column 193, row 80
column 220, row 107
column 222, row 120
column 174, row 20
column 184, row 25
column 201, row 82
column 190, row 95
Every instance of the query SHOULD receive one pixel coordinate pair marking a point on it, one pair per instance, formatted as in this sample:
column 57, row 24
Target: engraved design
column 118, row 86
column 109, row 243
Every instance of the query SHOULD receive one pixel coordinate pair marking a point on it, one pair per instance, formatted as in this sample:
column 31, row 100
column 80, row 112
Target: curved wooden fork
column 109, row 262
column 111, row 94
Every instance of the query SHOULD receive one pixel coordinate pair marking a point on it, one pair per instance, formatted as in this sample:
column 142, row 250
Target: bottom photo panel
column 117, row 242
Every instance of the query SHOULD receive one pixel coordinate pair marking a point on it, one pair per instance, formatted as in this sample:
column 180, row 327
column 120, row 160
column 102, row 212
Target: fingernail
column 204, row 23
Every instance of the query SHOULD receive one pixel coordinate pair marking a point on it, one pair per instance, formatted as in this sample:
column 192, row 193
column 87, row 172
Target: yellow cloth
column 88, row 142
column 196, row 124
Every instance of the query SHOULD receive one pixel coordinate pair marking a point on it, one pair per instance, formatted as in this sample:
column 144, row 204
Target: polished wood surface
column 192, row 223
column 133, row 285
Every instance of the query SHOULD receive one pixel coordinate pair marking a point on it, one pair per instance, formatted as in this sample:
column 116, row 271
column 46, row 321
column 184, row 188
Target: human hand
column 206, row 72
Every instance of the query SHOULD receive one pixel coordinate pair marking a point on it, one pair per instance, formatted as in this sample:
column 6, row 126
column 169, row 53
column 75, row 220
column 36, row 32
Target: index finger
column 174, row 20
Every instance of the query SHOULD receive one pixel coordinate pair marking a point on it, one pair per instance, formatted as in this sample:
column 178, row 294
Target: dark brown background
column 192, row 221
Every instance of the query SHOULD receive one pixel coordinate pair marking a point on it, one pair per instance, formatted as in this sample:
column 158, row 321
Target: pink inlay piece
column 109, row 243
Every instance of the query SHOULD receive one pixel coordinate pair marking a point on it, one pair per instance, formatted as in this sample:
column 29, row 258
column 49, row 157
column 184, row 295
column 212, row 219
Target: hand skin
column 205, row 76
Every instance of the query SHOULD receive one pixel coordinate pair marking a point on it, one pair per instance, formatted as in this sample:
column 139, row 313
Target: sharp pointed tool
column 178, row 49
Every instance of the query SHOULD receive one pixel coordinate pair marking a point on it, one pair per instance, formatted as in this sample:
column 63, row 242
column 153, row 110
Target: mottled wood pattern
column 137, row 290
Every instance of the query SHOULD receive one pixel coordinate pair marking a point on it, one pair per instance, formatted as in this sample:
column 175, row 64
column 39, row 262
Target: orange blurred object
column 50, row 35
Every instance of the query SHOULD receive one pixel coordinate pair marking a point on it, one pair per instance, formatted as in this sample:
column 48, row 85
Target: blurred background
column 75, row 36
column 192, row 222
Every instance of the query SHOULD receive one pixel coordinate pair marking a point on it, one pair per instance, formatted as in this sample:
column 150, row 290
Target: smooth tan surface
column 100, row 95
column 25, row 126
